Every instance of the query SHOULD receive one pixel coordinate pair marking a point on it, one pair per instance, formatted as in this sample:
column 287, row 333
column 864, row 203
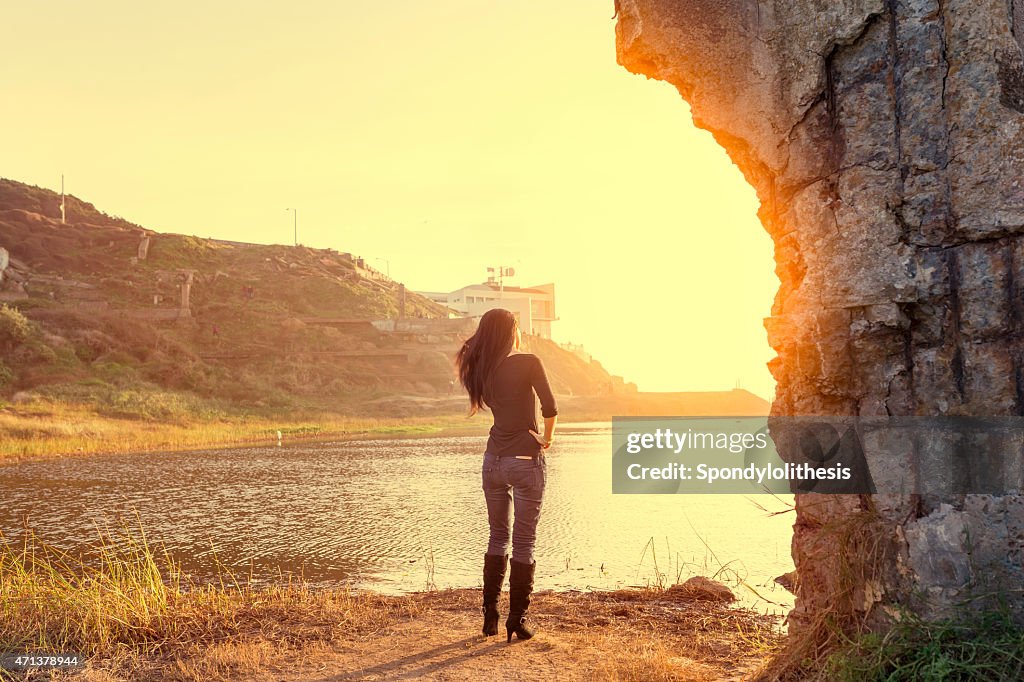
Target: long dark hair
column 481, row 353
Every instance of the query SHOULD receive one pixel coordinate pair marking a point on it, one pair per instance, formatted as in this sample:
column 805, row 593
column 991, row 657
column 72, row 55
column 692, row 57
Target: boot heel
column 520, row 628
column 491, row 617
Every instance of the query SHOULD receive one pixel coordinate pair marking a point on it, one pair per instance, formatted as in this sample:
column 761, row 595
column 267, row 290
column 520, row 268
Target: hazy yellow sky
column 443, row 136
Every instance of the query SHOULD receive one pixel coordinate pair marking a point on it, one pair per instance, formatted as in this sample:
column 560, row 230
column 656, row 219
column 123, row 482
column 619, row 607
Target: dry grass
column 707, row 631
column 131, row 611
column 57, row 429
column 860, row 558
column 133, row 614
column 643, row 634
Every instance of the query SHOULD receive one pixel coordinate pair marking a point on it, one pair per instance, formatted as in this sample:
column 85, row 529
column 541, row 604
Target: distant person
column 498, row 376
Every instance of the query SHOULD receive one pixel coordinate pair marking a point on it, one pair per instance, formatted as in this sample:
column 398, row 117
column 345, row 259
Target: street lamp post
column 295, row 223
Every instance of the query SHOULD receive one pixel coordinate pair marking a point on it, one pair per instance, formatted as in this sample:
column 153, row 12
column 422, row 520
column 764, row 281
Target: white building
column 534, row 307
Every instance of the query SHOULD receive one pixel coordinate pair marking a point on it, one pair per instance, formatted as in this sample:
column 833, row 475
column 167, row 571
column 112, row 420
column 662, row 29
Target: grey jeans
column 512, row 483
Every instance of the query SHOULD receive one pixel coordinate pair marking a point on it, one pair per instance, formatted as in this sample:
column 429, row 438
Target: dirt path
column 625, row 635
column 687, row 632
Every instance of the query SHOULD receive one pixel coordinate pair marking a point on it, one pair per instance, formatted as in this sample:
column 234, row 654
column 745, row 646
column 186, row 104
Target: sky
column 433, row 139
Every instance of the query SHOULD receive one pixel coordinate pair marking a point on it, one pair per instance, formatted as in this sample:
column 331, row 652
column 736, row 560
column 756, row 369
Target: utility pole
column 63, row 214
column 295, row 223
column 387, row 264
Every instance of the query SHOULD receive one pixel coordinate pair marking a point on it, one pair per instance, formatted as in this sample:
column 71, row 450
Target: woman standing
column 500, row 377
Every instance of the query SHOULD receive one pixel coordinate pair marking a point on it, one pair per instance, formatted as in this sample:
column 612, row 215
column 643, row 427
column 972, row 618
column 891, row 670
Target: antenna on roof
column 503, row 272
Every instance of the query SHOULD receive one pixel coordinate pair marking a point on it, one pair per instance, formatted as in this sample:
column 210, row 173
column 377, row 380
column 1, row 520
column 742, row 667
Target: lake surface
column 396, row 514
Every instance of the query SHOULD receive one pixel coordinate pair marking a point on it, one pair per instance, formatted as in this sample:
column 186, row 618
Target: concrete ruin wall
column 885, row 139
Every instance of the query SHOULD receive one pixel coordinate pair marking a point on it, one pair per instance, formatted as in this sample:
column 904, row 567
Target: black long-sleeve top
column 510, row 398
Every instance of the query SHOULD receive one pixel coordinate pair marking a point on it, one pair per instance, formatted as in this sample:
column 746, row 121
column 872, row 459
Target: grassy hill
column 94, row 320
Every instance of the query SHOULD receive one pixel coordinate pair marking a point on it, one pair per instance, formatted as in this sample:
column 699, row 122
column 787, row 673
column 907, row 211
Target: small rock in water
column 788, row 581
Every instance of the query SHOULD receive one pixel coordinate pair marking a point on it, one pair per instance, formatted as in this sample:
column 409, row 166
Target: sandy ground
column 608, row 636
column 650, row 635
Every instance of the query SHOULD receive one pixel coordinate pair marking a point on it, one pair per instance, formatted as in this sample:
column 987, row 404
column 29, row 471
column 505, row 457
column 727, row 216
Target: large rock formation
column 885, row 139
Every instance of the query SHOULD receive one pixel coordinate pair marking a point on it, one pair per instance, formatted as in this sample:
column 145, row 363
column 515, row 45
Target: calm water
column 393, row 514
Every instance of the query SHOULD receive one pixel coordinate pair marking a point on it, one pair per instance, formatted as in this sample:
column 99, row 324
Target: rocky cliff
column 885, row 139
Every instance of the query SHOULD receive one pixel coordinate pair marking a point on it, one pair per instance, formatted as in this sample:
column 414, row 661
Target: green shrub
column 14, row 327
column 91, row 344
column 988, row 646
column 35, row 352
column 6, row 375
column 156, row 405
column 117, row 367
column 88, row 391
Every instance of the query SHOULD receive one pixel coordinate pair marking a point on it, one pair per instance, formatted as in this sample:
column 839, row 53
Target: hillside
column 139, row 324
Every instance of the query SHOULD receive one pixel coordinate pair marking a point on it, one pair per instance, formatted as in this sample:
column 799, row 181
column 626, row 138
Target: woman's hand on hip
column 540, row 439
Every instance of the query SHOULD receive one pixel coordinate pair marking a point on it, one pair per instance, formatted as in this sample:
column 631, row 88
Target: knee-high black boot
column 520, row 587
column 494, row 575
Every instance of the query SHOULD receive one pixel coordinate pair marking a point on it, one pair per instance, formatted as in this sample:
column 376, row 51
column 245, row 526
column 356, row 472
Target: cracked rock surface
column 885, row 140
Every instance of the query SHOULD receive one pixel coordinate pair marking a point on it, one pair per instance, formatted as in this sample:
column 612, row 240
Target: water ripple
column 389, row 514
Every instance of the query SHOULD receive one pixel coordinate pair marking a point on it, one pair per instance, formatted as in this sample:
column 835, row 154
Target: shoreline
column 166, row 627
column 90, row 435
column 44, row 429
column 149, row 437
column 635, row 635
